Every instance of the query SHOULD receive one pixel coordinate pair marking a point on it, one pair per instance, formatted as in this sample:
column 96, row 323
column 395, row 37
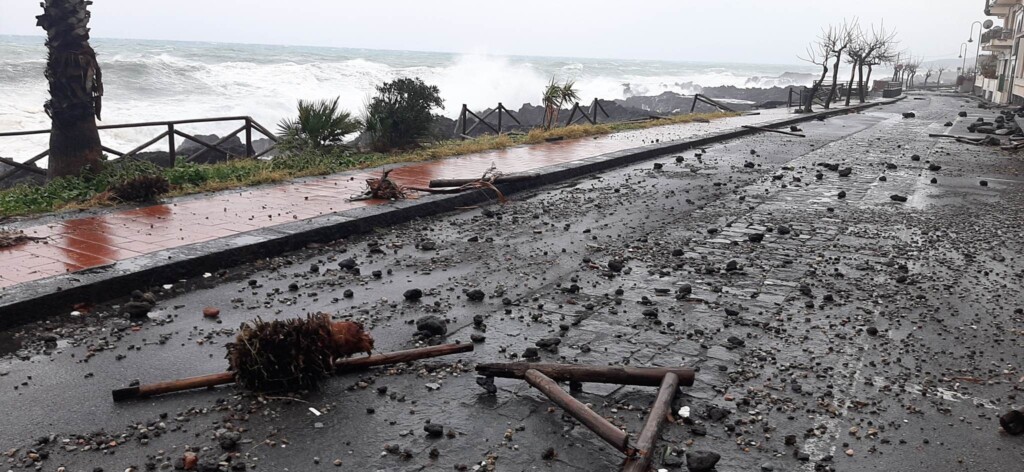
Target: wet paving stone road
column 833, row 327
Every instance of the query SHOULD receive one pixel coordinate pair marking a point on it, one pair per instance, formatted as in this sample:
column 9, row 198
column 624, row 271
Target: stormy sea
column 169, row 80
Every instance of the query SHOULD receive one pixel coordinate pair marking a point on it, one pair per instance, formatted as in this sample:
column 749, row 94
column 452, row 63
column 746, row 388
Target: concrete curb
column 36, row 300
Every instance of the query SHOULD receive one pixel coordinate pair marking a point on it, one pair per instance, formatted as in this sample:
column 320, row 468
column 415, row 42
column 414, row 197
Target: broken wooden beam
column 662, row 408
column 951, row 136
column 770, row 130
column 341, row 366
column 623, row 375
column 398, row 357
column 611, row 434
column 442, row 183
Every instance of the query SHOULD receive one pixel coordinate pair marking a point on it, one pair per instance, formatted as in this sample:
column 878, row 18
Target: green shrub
column 400, row 115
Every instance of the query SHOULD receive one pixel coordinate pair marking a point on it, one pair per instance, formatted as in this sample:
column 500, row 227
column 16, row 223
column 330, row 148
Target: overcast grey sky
column 757, row 31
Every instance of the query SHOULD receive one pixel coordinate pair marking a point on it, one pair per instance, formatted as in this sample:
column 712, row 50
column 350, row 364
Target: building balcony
column 997, row 40
column 999, row 8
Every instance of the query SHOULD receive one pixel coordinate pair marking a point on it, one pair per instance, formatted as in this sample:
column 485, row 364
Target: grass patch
column 185, row 179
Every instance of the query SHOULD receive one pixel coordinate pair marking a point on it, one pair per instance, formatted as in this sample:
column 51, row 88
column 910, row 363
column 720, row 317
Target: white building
column 1001, row 78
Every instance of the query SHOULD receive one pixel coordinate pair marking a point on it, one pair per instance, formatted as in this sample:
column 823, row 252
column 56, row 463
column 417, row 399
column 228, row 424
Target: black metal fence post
column 170, row 144
column 500, row 109
column 248, row 138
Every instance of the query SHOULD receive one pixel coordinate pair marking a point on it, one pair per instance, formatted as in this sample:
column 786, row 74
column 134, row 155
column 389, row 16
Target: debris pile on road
column 11, row 238
column 382, row 189
column 543, row 377
column 295, row 354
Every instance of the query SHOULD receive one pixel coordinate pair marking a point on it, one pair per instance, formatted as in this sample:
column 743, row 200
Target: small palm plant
column 567, row 95
column 320, row 126
column 555, row 96
column 552, row 101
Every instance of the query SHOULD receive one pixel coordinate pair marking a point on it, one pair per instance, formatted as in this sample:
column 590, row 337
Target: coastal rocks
column 702, row 461
column 140, row 305
column 898, row 198
column 20, row 177
column 431, row 325
column 434, row 430
column 413, row 294
column 1013, row 422
column 204, row 155
column 476, row 295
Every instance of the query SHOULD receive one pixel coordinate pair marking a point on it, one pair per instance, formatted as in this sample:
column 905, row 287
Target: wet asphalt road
column 791, row 361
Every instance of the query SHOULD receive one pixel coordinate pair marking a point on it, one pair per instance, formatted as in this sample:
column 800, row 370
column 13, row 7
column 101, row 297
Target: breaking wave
column 152, row 80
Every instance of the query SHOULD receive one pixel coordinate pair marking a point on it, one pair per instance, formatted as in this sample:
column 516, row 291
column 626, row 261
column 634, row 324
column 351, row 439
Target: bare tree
column 818, row 53
column 911, row 73
column 846, row 37
column 938, row 80
column 854, row 56
column 927, row 75
column 877, row 46
column 885, row 54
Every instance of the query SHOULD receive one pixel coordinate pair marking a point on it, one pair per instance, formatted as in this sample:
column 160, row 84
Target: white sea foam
column 153, row 81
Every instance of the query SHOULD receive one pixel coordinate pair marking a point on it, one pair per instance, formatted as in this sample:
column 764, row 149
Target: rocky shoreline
column 530, row 116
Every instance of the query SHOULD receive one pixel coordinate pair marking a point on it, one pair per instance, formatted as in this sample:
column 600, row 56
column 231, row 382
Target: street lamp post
column 963, row 55
column 977, row 53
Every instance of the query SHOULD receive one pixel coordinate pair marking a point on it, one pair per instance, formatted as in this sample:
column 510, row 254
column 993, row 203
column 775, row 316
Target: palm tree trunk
column 75, row 88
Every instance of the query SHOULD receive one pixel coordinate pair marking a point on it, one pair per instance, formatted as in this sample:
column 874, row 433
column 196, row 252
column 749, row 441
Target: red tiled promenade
column 75, row 244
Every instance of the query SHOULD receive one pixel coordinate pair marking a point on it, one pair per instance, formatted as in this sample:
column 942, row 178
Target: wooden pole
column 572, row 114
column 464, row 117
column 144, row 145
column 500, row 108
column 15, row 170
column 443, row 183
column 614, row 436
column 341, row 366
column 761, row 128
column 170, row 144
column 641, row 461
column 643, row 376
column 20, row 166
column 248, row 138
column 397, row 357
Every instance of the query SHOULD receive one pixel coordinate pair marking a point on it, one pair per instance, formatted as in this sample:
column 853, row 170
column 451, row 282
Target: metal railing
column 704, row 99
column 989, row 36
column 590, row 116
column 463, row 129
column 172, row 131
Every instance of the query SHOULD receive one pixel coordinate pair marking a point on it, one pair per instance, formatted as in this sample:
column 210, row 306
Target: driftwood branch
column 643, row 376
column 641, row 461
column 614, row 436
column 442, row 183
column 770, row 130
column 341, row 366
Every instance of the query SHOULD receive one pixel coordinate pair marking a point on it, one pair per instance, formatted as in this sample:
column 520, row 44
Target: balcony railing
column 996, row 35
